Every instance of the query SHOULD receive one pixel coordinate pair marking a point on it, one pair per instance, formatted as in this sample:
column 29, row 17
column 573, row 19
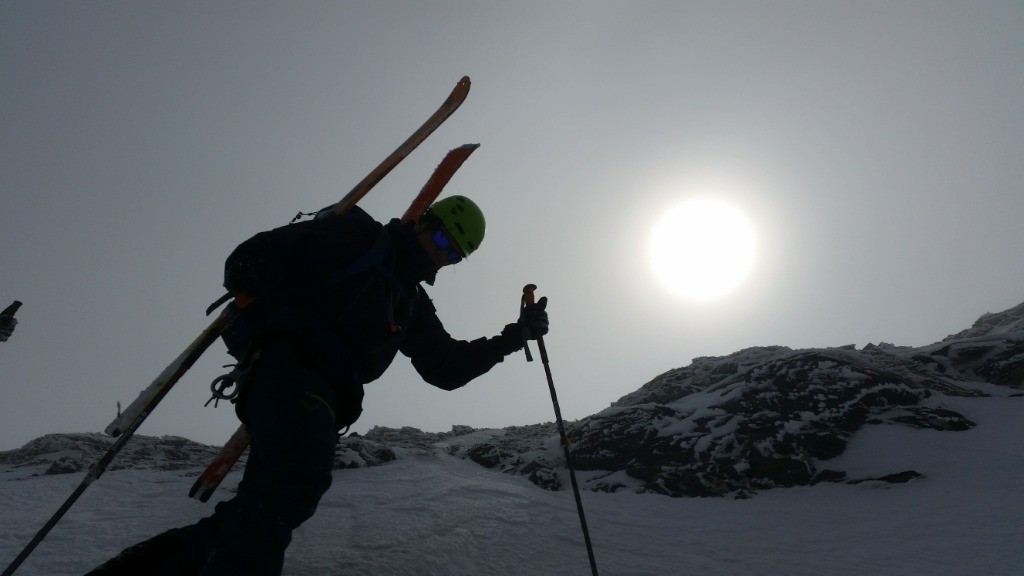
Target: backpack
column 239, row 336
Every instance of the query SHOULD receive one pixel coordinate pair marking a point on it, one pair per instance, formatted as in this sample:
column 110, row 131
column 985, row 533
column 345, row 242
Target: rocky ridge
column 756, row 419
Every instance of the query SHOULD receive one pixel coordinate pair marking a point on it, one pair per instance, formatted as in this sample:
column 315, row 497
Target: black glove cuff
column 510, row 340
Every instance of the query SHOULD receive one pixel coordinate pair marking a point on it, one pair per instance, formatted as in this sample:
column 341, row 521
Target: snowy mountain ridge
column 1005, row 322
column 735, row 425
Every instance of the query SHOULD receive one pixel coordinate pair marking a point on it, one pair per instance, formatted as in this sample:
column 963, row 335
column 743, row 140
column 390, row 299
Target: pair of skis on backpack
column 215, row 473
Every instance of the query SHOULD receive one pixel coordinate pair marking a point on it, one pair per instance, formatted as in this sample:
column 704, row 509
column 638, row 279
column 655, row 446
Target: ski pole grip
column 11, row 310
column 528, row 299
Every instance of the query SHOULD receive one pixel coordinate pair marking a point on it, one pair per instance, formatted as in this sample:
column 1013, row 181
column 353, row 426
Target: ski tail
column 219, row 467
column 225, row 460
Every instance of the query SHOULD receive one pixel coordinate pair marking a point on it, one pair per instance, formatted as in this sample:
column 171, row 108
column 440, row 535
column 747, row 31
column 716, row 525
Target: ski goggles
column 443, row 243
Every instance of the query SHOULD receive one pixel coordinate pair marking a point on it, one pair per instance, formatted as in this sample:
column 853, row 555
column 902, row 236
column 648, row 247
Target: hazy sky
column 877, row 147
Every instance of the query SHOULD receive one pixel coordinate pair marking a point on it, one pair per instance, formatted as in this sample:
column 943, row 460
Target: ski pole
column 141, row 409
column 94, row 473
column 528, row 298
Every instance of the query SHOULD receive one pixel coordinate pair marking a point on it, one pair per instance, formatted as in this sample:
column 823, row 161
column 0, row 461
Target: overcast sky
column 877, row 148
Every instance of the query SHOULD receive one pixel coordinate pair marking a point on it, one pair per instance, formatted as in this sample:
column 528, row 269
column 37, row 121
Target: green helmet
column 463, row 220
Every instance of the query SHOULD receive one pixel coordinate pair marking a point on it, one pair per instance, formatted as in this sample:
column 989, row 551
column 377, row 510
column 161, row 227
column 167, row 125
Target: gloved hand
column 534, row 317
column 7, row 324
column 8, row 321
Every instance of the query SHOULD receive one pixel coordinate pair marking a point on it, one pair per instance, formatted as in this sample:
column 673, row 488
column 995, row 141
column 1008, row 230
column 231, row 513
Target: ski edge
column 161, row 385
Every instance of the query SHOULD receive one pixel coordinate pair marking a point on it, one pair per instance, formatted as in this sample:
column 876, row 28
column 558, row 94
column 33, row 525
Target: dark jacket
column 345, row 292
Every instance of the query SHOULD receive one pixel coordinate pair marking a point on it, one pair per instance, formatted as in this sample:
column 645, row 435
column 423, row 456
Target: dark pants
column 290, row 412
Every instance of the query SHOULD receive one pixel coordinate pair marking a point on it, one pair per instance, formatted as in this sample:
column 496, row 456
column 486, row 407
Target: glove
column 534, row 318
column 7, row 324
column 252, row 275
column 8, row 321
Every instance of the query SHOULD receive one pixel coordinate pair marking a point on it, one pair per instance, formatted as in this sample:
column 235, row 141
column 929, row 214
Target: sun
column 702, row 249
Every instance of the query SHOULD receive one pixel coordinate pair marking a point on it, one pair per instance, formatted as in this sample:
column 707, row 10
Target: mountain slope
column 735, row 425
column 772, row 416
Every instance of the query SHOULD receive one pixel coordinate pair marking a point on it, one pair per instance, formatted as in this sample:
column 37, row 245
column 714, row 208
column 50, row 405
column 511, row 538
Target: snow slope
column 407, row 502
column 442, row 515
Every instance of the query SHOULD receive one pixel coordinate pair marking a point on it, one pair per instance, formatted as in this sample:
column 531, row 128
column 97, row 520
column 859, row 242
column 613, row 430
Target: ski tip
column 461, row 90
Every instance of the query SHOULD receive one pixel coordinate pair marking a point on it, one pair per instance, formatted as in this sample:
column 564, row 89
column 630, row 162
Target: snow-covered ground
column 435, row 514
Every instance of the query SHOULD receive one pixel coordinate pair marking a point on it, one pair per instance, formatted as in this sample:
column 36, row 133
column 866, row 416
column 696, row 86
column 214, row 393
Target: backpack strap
column 371, row 258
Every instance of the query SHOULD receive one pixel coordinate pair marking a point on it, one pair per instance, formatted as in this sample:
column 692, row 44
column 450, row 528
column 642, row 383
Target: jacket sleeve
column 444, row 361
